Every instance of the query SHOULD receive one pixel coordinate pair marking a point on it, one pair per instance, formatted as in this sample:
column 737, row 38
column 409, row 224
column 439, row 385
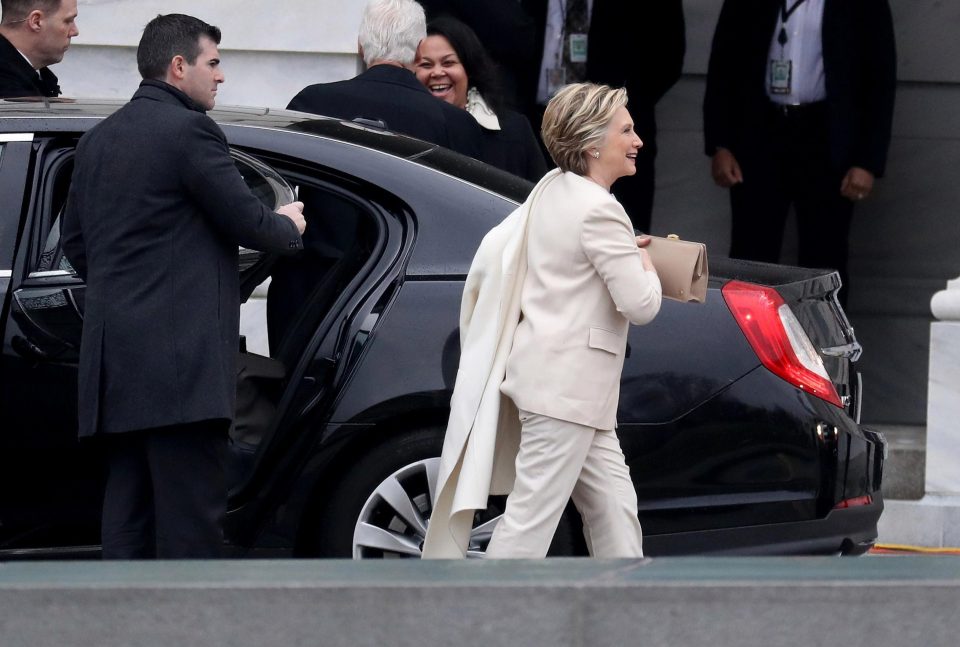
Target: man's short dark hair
column 20, row 9
column 167, row 36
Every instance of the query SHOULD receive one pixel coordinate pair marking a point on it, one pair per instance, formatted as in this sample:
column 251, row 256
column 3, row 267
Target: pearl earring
column 596, row 154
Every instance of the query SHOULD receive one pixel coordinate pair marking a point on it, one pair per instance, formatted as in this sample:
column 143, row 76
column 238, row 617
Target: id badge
column 556, row 79
column 780, row 76
column 578, row 48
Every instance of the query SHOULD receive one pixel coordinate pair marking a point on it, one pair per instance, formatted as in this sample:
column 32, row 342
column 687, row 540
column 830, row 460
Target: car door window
column 50, row 301
column 14, row 174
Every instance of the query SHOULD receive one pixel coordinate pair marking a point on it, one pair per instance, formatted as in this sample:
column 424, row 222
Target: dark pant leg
column 759, row 207
column 190, row 491
column 635, row 192
column 823, row 214
column 127, row 526
column 823, row 220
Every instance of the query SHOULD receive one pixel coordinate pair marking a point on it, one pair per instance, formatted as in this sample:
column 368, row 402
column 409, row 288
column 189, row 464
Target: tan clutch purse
column 681, row 266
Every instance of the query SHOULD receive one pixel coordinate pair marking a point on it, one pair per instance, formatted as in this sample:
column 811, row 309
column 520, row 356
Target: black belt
column 788, row 110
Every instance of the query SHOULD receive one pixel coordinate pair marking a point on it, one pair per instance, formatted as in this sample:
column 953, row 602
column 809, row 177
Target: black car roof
column 55, row 113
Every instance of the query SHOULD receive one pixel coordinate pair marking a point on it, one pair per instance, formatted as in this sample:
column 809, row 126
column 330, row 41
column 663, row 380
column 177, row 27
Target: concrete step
column 903, row 474
column 931, row 522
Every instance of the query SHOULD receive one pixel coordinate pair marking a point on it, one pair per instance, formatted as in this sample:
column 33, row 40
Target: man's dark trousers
column 791, row 165
column 166, row 492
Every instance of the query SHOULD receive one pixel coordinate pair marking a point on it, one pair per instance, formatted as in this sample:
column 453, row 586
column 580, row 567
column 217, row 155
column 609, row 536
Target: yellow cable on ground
column 916, row 549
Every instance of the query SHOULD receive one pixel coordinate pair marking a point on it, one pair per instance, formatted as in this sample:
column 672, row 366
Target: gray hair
column 576, row 118
column 391, row 30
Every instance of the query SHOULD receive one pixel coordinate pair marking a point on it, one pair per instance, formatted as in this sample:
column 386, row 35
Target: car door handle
column 27, row 349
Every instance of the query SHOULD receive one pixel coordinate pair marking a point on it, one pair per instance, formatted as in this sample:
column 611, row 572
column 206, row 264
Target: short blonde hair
column 577, row 118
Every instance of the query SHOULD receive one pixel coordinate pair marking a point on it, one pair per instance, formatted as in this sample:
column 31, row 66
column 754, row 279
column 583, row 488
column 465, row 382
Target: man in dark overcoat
column 638, row 45
column 798, row 110
column 34, row 34
column 155, row 215
column 388, row 91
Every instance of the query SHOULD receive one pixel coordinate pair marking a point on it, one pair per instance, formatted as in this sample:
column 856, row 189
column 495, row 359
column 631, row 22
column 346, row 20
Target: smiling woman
column 557, row 285
column 453, row 64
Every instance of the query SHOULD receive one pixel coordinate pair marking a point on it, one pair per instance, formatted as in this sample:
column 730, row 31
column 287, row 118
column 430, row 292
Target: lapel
column 769, row 12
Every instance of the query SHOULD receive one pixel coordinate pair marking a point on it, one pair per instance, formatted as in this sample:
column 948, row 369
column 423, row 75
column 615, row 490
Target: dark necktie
column 576, row 21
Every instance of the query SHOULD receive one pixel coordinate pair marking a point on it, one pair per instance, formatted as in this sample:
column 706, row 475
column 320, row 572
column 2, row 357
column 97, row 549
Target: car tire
column 381, row 508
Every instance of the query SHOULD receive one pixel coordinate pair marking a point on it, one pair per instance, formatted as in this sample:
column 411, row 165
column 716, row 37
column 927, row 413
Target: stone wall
column 270, row 50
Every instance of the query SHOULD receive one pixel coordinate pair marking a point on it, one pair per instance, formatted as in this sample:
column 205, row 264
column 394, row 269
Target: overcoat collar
column 392, row 74
column 46, row 84
column 166, row 93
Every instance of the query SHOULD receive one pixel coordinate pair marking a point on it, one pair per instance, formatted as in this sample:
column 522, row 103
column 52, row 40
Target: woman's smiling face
column 439, row 69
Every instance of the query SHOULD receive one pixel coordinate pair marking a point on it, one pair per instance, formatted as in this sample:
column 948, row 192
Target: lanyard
column 784, row 17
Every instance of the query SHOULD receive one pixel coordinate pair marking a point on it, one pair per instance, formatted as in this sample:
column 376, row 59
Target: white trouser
column 559, row 460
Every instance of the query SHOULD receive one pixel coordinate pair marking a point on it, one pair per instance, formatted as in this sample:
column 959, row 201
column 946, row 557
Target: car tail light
column 854, row 502
column 778, row 339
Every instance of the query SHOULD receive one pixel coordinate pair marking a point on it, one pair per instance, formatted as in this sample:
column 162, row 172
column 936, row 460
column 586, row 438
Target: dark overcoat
column 859, row 65
column 394, row 96
column 156, row 212
column 638, row 45
column 19, row 79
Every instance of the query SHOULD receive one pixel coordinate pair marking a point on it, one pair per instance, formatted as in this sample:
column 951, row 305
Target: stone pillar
column 943, row 401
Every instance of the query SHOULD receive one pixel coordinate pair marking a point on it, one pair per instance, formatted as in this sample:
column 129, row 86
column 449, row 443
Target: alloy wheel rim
column 393, row 520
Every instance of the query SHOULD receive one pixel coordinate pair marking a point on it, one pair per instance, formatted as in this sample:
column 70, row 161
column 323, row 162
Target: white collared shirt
column 28, row 61
column 804, row 48
column 553, row 44
column 483, row 113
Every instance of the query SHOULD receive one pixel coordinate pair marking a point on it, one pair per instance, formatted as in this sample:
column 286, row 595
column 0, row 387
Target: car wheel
column 381, row 510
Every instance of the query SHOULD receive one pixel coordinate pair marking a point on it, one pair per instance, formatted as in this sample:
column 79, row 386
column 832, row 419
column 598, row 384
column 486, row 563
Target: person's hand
column 725, row 169
column 643, row 241
column 294, row 211
column 857, row 184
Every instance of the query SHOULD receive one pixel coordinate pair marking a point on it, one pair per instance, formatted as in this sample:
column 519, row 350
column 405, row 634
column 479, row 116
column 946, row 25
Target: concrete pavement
column 675, row 602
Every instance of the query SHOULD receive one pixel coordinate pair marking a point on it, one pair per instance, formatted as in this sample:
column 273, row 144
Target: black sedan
column 738, row 418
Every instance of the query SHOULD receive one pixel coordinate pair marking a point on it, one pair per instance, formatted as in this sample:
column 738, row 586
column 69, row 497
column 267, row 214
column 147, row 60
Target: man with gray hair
column 388, row 91
column 34, row 34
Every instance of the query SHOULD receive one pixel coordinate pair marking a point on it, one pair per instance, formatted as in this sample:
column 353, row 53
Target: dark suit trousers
column 166, row 495
column 789, row 163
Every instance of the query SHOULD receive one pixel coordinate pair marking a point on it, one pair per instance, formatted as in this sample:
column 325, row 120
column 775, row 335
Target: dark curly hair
column 482, row 72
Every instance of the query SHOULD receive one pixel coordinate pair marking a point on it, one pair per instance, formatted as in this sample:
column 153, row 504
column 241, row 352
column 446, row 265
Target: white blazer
column 585, row 283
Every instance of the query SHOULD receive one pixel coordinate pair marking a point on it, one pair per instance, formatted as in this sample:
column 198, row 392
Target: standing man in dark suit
column 638, row 45
column 34, row 34
column 156, row 211
column 388, row 91
column 798, row 110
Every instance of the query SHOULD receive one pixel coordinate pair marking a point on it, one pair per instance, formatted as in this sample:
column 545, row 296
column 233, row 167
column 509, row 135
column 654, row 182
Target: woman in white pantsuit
column 569, row 277
column 586, row 282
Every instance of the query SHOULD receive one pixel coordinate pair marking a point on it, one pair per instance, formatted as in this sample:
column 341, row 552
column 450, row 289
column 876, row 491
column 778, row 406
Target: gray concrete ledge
column 680, row 602
column 933, row 521
column 904, row 468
